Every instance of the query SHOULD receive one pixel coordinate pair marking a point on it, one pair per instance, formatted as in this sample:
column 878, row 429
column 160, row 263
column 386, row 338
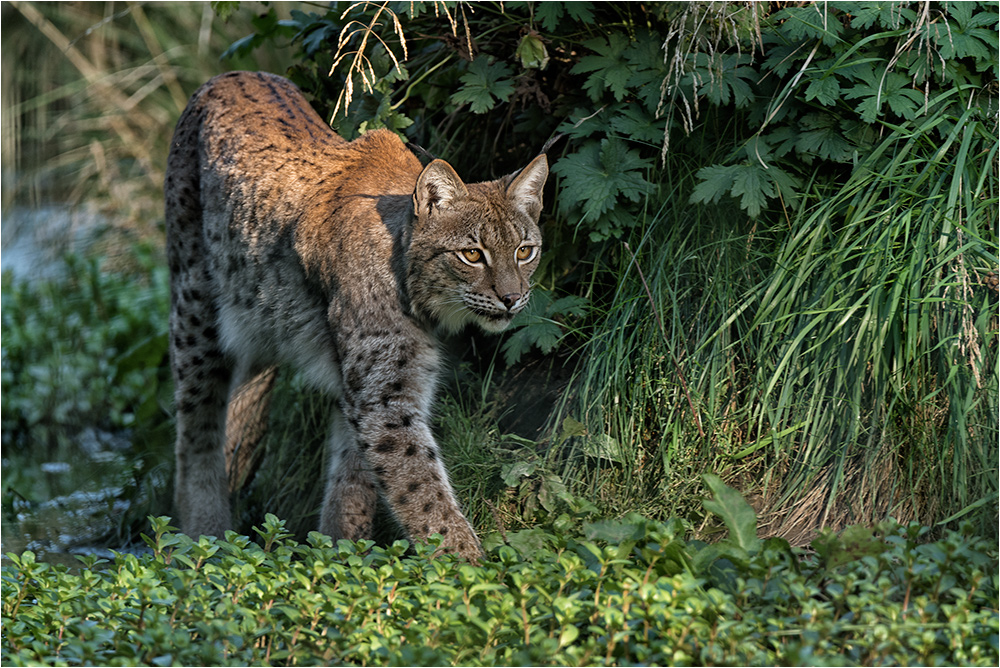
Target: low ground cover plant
column 622, row 592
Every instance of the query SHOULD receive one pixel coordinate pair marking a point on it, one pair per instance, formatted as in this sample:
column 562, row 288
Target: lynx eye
column 525, row 253
column 471, row 255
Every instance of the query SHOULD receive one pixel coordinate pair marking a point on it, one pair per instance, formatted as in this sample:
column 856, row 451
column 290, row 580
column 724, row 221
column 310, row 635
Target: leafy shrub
column 619, row 592
column 84, row 345
column 85, row 380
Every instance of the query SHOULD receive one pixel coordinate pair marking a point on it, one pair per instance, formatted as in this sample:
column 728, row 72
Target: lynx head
column 474, row 247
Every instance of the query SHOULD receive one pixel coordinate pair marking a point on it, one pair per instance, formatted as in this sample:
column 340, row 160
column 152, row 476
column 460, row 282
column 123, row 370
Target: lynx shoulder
column 288, row 245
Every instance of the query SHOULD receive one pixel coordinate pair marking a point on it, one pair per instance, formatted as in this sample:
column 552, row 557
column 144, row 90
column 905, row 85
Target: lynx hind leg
column 351, row 496
column 246, row 423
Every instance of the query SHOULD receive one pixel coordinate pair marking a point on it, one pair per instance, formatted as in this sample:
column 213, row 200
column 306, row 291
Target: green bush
column 85, row 383
column 621, row 592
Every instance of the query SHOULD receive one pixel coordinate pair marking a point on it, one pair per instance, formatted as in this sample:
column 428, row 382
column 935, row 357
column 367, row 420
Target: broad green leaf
column 809, row 22
column 580, row 11
column 603, row 446
column 635, row 122
column 631, row 527
column 532, row 52
column 550, row 492
column 822, row 136
column 570, row 427
column 512, row 473
column 548, row 14
column 739, row 516
column 723, row 79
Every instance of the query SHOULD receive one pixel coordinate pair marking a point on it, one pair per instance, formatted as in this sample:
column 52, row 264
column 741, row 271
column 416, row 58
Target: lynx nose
column 510, row 299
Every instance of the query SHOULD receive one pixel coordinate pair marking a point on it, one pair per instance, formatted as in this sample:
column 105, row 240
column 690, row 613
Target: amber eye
column 471, row 255
column 525, row 253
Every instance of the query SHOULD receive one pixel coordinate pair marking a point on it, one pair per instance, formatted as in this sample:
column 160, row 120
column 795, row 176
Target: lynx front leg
column 388, row 391
column 407, row 465
column 351, row 494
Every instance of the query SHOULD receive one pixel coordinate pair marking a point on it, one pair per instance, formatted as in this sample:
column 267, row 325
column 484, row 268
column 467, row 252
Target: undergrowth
column 595, row 592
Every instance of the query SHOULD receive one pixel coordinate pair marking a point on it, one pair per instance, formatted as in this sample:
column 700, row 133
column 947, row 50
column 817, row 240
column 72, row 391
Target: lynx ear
column 525, row 190
column 438, row 186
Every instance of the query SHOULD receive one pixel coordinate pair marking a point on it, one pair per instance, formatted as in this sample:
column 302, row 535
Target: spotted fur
column 289, row 246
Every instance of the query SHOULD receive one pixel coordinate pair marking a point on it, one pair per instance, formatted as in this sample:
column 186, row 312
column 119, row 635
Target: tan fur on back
column 290, row 246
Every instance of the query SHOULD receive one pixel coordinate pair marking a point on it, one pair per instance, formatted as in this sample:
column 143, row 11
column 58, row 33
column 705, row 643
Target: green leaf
column 602, row 446
column 597, row 174
column 609, row 70
column 809, row 22
column 826, row 90
column 634, row 122
column 548, row 14
column 579, row 11
column 713, row 182
column 821, row 135
column 853, row 543
column 570, row 428
column 532, row 52
column 753, row 185
column 512, row 473
column 724, row 79
column 893, row 89
column 739, row 516
column 631, row 527
column 484, row 84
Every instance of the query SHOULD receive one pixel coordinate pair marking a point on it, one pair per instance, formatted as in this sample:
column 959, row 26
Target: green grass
column 840, row 367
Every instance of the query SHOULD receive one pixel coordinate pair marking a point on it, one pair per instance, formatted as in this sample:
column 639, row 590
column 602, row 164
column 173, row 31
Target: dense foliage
column 771, row 252
column 624, row 592
column 771, row 233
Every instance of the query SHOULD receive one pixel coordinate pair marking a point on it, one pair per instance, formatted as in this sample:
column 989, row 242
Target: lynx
column 288, row 245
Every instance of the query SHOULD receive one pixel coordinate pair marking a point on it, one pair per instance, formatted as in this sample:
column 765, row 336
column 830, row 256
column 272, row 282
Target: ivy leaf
column 484, row 85
column 609, row 69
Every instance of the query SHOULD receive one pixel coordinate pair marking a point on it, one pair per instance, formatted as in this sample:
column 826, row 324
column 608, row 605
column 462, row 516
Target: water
column 34, row 240
column 34, row 243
